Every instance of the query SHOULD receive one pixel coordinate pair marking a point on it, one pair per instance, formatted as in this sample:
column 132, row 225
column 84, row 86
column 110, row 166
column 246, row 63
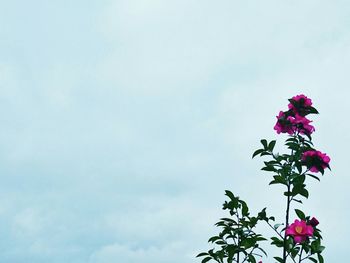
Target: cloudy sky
column 123, row 121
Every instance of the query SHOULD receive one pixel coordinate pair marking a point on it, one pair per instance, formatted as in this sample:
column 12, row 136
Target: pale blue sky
column 123, row 122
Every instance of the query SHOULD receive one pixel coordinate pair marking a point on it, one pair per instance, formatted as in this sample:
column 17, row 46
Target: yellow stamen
column 299, row 229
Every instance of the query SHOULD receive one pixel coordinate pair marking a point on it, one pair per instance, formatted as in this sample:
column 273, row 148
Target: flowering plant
column 300, row 240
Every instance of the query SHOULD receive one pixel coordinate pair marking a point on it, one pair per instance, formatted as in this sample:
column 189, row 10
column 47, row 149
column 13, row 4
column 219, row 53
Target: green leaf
column 279, row 259
column 253, row 221
column 271, row 145
column 260, row 238
column 292, row 139
column 248, row 243
column 257, row 152
column 294, row 252
column 277, row 242
column 320, row 258
column 296, row 200
column 293, row 146
column 321, row 248
column 251, row 258
column 287, row 193
column 269, row 168
column 213, row 239
column 202, row 254
column 313, row 260
column 298, row 166
column 245, row 210
column 262, row 250
column 280, row 179
column 313, row 176
column 304, row 193
column 299, row 179
column 273, row 182
column 299, row 189
column 262, row 214
column 206, row 259
column 308, row 136
column 230, row 195
column 300, row 214
column 312, row 110
column 264, row 143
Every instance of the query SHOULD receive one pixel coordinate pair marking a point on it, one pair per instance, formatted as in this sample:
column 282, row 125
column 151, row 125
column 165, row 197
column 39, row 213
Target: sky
column 123, row 122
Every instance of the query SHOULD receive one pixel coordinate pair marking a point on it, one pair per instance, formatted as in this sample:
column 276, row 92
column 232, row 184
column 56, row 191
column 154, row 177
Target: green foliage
column 237, row 240
column 310, row 249
column 288, row 170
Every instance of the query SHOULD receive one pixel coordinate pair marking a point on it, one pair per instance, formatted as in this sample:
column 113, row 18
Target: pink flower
column 300, row 104
column 300, row 231
column 284, row 123
column 289, row 123
column 313, row 222
column 303, row 125
column 302, row 99
column 316, row 161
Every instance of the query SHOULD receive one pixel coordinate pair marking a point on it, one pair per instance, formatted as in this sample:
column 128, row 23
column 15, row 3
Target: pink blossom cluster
column 294, row 120
column 300, row 104
column 315, row 160
column 300, row 231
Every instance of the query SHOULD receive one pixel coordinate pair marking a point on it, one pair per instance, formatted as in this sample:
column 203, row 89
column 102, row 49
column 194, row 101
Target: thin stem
column 246, row 257
column 238, row 241
column 274, row 230
column 289, row 200
column 291, row 257
column 287, row 223
column 301, row 252
column 305, row 257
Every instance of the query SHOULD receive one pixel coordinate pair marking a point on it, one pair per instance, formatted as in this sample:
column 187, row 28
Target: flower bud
column 314, row 222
